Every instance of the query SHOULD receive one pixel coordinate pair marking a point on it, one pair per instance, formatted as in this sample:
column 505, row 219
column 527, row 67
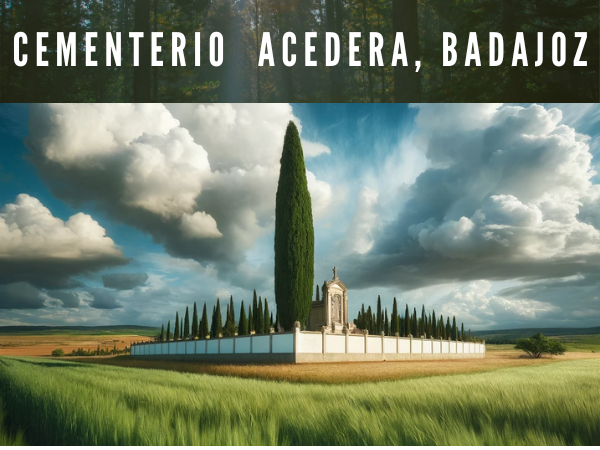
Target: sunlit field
column 66, row 403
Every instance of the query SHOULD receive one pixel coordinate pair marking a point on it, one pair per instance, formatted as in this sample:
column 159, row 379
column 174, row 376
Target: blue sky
column 486, row 212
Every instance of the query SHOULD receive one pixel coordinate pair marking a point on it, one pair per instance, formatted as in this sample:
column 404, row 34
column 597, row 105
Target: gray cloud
column 68, row 299
column 21, row 296
column 102, row 299
column 124, row 281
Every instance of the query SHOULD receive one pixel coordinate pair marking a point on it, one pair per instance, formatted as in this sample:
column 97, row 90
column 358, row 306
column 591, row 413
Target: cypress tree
column 203, row 331
column 448, row 328
column 434, row 325
column 243, row 324
column 250, row 320
column 317, row 296
column 162, row 333
column 294, row 235
column 394, row 325
column 462, row 332
column 407, row 322
column 195, row 323
column 276, row 321
column 213, row 322
column 442, row 327
column 379, row 323
column 386, row 327
column 469, row 337
column 176, row 334
column 218, row 320
column 272, row 324
column 415, row 323
column 231, row 311
column 186, row 324
column 423, row 322
column 169, row 330
column 181, row 330
column 259, row 318
column 454, row 329
column 266, row 322
column 254, row 312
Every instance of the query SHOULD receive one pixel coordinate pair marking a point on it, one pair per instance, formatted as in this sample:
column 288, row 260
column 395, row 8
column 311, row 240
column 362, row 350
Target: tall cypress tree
column 203, row 331
column 195, row 323
column 394, row 328
column 250, row 320
column 169, row 330
column 448, row 328
column 423, row 322
column 162, row 333
column 218, row 320
column 254, row 312
column 317, row 294
column 407, row 322
column 294, row 235
column 243, row 324
column 462, row 332
column 415, row 323
column 276, row 322
column 379, row 324
column 454, row 329
column 176, row 333
column 386, row 326
column 442, row 327
column 259, row 318
column 434, row 325
column 186, row 324
column 181, row 330
column 266, row 321
column 231, row 310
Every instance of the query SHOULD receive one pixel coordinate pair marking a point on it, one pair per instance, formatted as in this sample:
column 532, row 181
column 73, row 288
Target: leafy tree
column 58, row 352
column 538, row 345
column 243, row 324
column 195, row 322
column 176, row 333
column 186, row 324
column 294, row 235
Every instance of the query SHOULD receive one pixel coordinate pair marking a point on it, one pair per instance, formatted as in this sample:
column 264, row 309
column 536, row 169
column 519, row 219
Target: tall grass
column 62, row 403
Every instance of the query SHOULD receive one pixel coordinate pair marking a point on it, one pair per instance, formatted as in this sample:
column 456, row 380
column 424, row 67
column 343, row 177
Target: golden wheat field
column 44, row 344
column 347, row 372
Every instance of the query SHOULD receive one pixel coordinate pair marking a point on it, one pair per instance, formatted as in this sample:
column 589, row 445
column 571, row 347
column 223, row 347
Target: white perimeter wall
column 308, row 342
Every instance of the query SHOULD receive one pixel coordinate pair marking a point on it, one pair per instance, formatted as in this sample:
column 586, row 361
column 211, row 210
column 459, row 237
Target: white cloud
column 312, row 149
column 28, row 230
column 184, row 173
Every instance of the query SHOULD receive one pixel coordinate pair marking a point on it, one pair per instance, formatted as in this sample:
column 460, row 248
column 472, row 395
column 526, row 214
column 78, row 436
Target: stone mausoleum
column 331, row 310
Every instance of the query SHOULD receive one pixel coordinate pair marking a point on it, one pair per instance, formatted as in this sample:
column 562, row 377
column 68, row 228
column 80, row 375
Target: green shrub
column 58, row 352
column 538, row 345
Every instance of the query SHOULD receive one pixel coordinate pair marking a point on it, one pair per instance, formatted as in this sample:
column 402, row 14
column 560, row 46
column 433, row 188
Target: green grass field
column 62, row 403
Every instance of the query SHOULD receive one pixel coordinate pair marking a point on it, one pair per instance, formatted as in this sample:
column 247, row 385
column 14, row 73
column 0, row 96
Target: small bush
column 58, row 352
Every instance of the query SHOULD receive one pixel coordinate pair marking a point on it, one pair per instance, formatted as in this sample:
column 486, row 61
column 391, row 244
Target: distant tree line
column 411, row 323
column 258, row 320
column 243, row 23
column 89, row 352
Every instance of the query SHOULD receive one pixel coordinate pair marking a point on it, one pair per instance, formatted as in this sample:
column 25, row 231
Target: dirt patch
column 347, row 372
column 43, row 345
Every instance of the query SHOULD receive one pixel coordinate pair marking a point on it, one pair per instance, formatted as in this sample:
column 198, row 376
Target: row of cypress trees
column 258, row 320
column 427, row 325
